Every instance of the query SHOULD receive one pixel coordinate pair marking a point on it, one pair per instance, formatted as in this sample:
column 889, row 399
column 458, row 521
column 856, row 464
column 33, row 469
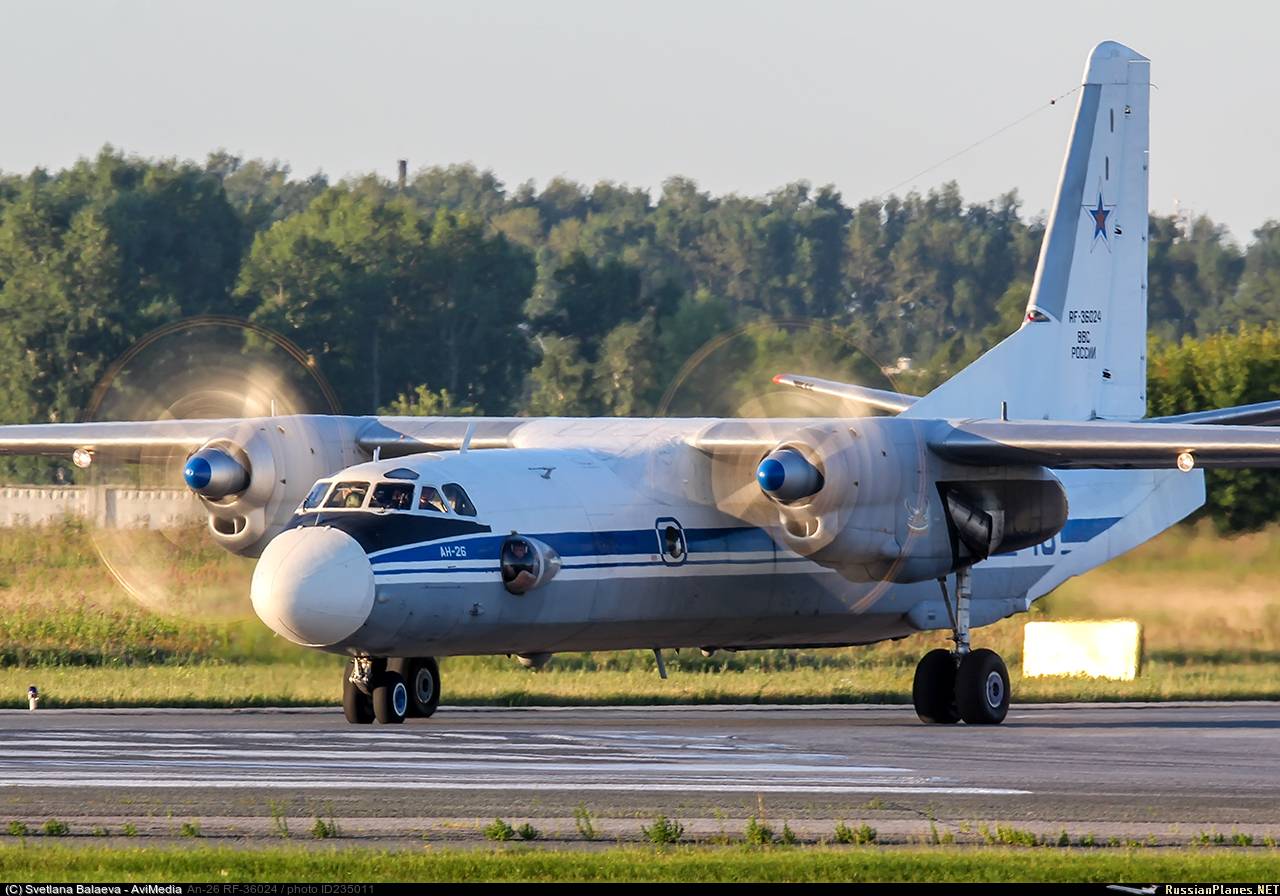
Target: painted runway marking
column 446, row 760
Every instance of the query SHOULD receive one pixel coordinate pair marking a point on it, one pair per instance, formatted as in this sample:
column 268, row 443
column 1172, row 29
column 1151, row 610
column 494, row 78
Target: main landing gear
column 967, row 684
column 389, row 690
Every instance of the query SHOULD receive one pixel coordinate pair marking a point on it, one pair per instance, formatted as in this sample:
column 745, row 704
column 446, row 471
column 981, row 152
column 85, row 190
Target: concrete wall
column 111, row 506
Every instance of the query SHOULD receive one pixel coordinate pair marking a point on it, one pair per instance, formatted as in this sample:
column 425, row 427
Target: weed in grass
column 499, row 830
column 934, row 839
column 1064, row 839
column 788, row 836
column 875, row 803
column 279, row 819
column 190, row 829
column 1114, row 842
column 129, row 829
column 758, row 833
column 1088, row 841
column 1269, row 842
column 324, row 829
column 100, row 831
column 527, row 832
column 583, row 822
column 55, row 828
column 861, row 835
column 663, row 831
column 948, row 838
column 1240, row 839
column 18, row 829
column 1011, row 836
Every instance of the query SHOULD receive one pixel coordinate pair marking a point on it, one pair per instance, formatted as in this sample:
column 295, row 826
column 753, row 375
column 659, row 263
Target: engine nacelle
column 887, row 509
column 252, row 477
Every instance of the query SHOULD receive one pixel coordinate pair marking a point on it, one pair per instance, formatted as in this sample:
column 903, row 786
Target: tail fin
column 1081, row 351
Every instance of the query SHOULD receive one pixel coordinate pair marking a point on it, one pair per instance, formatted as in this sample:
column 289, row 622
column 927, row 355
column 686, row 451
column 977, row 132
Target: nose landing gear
column 964, row 684
column 389, row 690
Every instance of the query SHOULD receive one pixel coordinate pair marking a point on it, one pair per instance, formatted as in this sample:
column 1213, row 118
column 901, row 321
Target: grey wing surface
column 108, row 438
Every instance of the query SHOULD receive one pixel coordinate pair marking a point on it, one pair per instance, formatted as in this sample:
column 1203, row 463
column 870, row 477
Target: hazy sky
column 742, row 96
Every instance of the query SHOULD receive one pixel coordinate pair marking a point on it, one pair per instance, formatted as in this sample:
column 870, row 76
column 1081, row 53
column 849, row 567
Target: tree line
column 454, row 293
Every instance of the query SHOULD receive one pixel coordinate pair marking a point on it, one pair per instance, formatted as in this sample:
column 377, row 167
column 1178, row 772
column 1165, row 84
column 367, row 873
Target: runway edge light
column 1099, row 649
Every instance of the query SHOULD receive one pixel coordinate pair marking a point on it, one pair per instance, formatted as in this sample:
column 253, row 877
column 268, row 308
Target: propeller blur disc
column 732, row 376
column 154, row 538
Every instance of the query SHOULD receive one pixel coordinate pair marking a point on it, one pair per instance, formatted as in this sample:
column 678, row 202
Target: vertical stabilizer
column 1081, row 350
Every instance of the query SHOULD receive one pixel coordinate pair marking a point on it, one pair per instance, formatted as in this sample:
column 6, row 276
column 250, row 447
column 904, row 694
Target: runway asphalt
column 1163, row 771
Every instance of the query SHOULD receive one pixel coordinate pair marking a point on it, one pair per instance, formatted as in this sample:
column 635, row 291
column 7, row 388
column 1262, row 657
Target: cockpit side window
column 458, row 499
column 430, row 500
column 315, row 496
column 348, row 494
column 392, row 496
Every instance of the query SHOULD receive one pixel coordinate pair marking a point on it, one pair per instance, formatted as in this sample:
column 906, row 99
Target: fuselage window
column 315, row 496
column 348, row 494
column 430, row 500
column 392, row 496
column 458, row 499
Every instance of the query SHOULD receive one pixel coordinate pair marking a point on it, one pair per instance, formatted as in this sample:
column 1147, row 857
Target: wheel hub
column 995, row 689
column 424, row 685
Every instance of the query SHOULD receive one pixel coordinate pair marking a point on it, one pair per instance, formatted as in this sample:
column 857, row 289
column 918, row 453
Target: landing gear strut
column 951, row 685
column 389, row 690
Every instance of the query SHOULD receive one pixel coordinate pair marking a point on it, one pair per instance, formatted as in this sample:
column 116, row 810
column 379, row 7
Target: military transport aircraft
column 396, row 540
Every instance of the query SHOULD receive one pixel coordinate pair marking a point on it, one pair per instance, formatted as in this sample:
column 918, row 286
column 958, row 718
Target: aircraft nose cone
column 313, row 586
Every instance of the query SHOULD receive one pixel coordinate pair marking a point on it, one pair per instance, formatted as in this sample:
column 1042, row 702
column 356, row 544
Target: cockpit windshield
column 348, row 494
column 392, row 496
column 430, row 500
column 458, row 499
column 315, row 496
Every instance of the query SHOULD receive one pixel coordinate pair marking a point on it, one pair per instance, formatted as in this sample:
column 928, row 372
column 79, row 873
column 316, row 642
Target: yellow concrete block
column 1106, row 649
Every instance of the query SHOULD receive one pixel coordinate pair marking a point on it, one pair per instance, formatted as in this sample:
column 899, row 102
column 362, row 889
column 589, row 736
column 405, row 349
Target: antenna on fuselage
column 466, row 438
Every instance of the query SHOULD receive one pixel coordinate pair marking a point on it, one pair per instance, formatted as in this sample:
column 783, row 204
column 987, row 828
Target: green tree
column 1220, row 371
column 561, row 383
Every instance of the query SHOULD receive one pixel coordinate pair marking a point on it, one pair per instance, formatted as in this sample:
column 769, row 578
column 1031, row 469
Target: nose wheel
column 964, row 684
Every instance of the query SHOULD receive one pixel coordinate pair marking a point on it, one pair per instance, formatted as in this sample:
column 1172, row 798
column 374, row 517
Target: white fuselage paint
column 602, row 493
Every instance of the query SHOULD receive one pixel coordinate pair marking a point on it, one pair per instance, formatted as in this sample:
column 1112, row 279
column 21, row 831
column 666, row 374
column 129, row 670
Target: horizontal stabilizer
column 1104, row 445
column 880, row 399
column 1264, row 413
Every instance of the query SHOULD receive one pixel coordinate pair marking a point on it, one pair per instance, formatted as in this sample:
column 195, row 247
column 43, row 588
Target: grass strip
column 310, row 684
column 66, row 863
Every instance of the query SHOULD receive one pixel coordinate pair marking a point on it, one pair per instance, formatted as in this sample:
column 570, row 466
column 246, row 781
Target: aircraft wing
column 880, row 399
column 397, row 436
column 1104, row 445
column 108, row 438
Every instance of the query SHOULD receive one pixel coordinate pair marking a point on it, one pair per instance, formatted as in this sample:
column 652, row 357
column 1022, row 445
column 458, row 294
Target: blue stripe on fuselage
column 630, row 542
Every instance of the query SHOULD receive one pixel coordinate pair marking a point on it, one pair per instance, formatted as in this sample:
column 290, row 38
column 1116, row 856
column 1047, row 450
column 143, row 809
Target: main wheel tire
column 356, row 705
column 982, row 688
column 390, row 698
column 934, row 689
column 422, row 674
